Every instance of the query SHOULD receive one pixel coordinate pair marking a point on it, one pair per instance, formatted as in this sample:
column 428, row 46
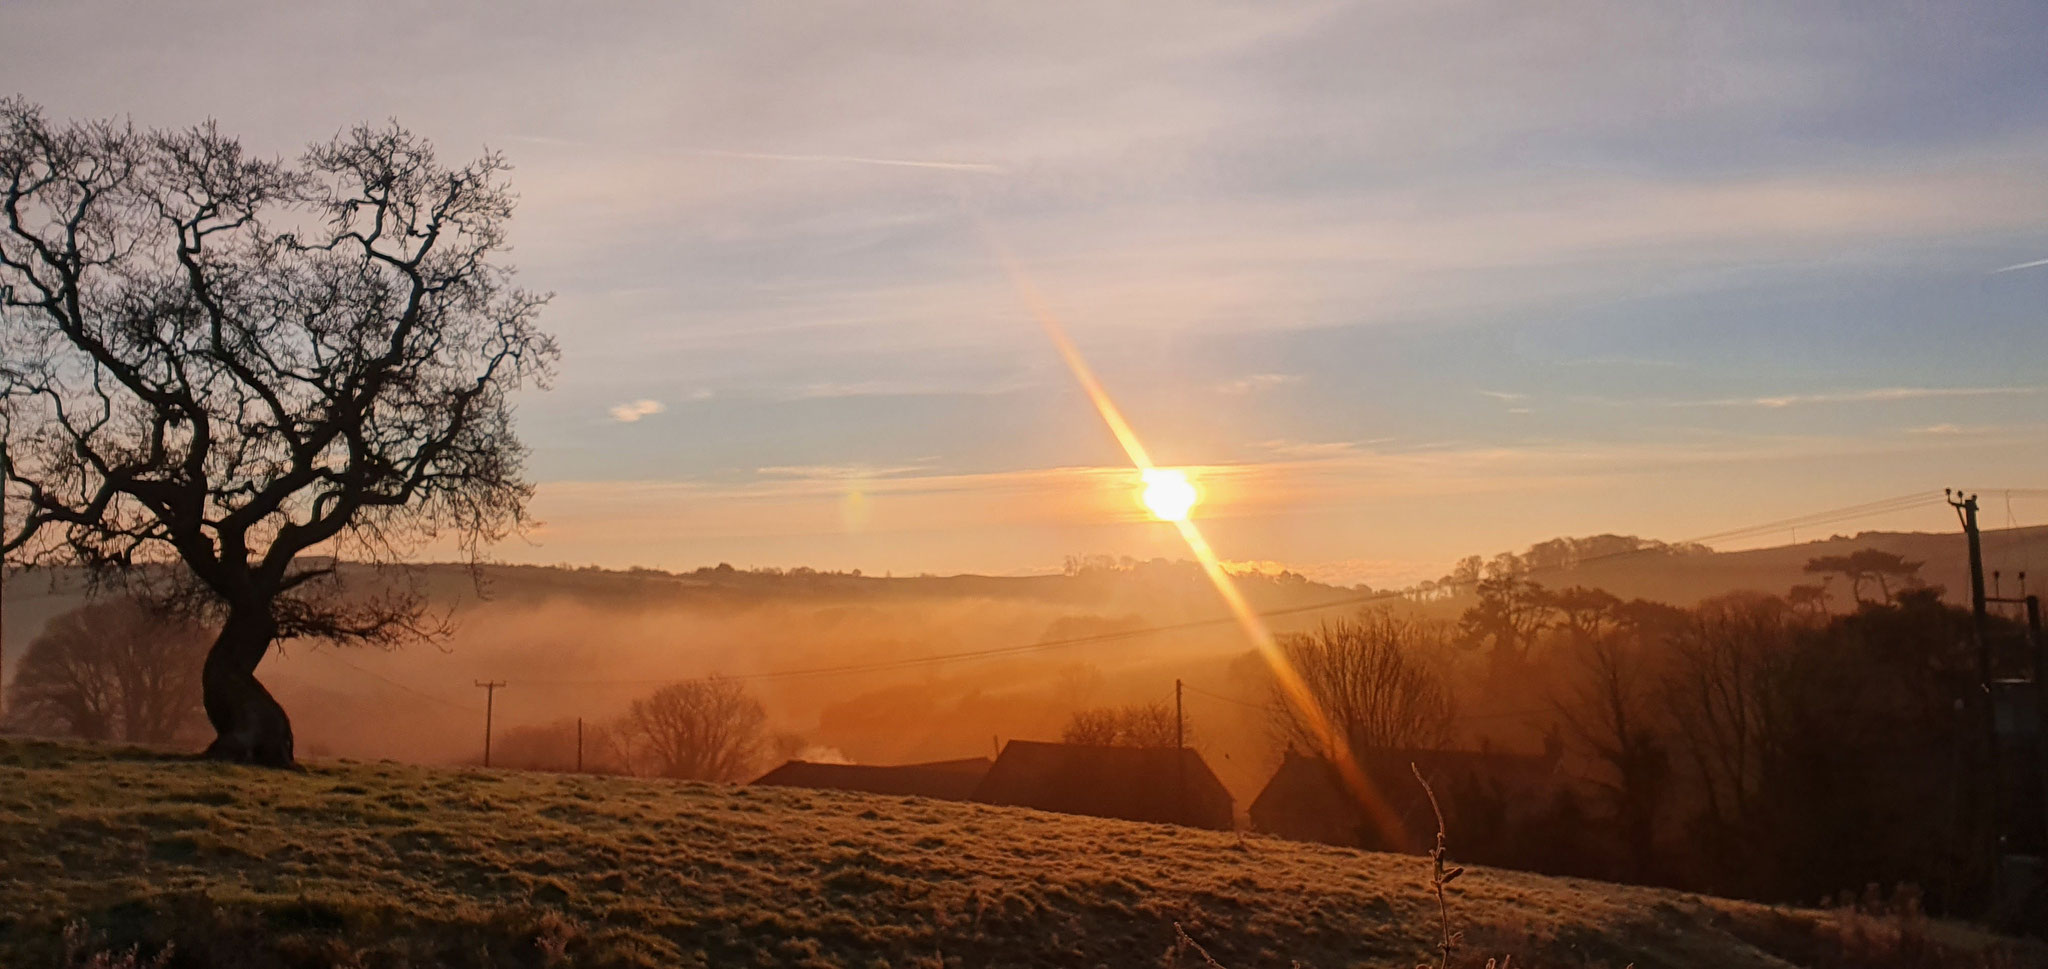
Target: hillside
column 388, row 865
column 1685, row 579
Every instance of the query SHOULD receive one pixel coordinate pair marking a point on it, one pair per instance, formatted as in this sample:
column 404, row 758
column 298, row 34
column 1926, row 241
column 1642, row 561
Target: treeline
column 1754, row 745
column 1561, row 554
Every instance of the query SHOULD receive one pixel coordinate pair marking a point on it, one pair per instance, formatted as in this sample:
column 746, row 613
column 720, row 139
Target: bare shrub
column 1376, row 678
column 705, row 730
column 1134, row 725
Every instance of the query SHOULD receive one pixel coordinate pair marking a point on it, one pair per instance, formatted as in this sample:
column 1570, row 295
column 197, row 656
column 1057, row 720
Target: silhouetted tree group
column 1133, row 725
column 1753, row 745
column 111, row 670
column 708, row 729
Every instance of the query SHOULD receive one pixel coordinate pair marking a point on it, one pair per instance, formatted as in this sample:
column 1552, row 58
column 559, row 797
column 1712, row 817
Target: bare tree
column 1720, row 691
column 1375, row 679
column 113, row 670
column 1094, row 728
column 1609, row 708
column 1134, row 725
column 239, row 371
column 703, row 730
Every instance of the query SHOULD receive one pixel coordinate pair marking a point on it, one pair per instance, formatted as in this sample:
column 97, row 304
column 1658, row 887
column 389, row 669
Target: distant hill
column 1684, row 579
column 102, row 849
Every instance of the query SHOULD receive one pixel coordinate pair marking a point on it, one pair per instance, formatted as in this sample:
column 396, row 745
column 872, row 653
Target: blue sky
column 1401, row 281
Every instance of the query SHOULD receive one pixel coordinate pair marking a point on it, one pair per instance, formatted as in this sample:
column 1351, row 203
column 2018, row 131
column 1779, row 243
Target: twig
column 1439, row 876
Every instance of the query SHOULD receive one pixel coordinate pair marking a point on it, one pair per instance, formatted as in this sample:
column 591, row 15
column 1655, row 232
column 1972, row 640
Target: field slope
column 389, row 865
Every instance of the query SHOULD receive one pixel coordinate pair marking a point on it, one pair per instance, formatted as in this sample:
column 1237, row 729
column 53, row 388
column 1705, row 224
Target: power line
column 394, row 684
column 1884, row 506
column 1227, row 699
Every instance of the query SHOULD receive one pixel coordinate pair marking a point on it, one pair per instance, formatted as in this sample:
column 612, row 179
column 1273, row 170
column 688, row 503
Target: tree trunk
column 249, row 725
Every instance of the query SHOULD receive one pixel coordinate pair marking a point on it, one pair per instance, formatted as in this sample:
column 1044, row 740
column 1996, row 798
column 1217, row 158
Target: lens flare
column 1168, row 494
column 1298, row 695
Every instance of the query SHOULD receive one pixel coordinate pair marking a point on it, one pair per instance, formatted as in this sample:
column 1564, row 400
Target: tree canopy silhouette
column 111, row 670
column 1376, row 679
column 701, row 730
column 1132, row 725
column 239, row 371
column 1868, row 564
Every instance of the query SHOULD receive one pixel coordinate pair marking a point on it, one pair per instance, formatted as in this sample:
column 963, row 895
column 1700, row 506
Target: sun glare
column 1169, row 494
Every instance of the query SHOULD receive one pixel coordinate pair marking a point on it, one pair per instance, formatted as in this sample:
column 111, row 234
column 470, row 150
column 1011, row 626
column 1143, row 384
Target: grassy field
column 379, row 865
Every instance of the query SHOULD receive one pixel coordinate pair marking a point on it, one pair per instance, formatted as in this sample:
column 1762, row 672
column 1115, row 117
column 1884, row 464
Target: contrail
column 2024, row 265
column 947, row 166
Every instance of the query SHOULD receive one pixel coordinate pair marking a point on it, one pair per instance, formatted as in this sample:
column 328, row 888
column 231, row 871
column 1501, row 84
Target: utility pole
column 1966, row 509
column 490, row 702
column 1180, row 736
column 1180, row 752
column 2012, row 728
column 579, row 745
column 1993, row 791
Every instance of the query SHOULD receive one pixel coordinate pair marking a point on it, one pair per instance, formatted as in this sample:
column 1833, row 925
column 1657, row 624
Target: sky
column 1396, row 282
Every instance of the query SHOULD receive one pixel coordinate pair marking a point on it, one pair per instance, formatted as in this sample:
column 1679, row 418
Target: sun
column 1169, row 494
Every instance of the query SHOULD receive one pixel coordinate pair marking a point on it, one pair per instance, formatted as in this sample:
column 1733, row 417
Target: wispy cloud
column 632, row 411
column 906, row 388
column 840, row 472
column 1257, row 382
column 2018, row 266
column 1503, row 396
column 1620, row 360
column 979, row 168
column 1874, row 395
column 1947, row 430
column 1313, row 450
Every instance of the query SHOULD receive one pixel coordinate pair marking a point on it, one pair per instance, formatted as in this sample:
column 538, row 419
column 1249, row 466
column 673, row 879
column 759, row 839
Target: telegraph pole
column 1180, row 736
column 1180, row 752
column 1966, row 508
column 490, row 688
column 579, row 745
column 2012, row 725
column 1966, row 511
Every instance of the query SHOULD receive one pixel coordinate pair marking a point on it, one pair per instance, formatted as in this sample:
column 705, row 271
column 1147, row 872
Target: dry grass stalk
column 1439, row 875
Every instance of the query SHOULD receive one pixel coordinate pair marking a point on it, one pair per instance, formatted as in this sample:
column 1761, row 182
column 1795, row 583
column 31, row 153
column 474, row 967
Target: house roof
column 1163, row 784
column 948, row 780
